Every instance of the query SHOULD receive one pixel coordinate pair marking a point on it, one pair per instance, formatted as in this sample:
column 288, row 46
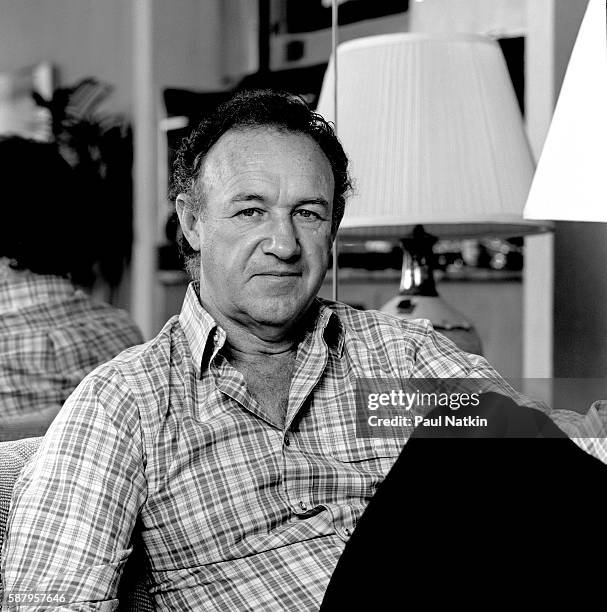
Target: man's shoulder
column 136, row 389
column 146, row 368
column 377, row 325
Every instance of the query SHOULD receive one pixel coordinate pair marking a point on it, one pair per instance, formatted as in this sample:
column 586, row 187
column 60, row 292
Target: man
column 51, row 333
column 228, row 443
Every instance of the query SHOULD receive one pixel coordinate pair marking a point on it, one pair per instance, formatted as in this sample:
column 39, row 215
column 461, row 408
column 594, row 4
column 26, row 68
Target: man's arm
column 439, row 357
column 75, row 505
column 588, row 431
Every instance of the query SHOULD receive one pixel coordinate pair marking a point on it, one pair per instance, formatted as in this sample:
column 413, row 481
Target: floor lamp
column 438, row 150
column 570, row 183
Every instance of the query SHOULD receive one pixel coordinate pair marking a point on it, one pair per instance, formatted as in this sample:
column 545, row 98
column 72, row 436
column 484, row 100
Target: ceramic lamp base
column 444, row 318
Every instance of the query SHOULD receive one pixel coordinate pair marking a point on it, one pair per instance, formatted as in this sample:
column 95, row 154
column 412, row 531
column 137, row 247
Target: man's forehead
column 262, row 148
column 243, row 141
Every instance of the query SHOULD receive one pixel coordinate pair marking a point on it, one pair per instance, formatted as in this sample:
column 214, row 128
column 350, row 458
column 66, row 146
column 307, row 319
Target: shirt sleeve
column 76, row 503
column 588, row 431
column 439, row 357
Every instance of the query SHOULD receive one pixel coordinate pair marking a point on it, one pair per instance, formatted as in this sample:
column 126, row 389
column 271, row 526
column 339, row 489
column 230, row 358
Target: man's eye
column 250, row 212
column 308, row 214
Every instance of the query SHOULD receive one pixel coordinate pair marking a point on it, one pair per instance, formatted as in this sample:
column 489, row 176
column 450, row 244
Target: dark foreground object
column 480, row 523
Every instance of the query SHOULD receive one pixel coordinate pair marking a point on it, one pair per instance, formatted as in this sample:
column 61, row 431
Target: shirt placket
column 231, row 382
column 297, row 468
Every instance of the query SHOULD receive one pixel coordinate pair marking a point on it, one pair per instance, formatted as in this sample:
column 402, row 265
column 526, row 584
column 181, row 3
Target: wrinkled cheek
column 213, row 269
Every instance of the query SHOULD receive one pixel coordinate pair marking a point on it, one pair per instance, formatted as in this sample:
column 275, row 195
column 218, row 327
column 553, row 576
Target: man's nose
column 281, row 239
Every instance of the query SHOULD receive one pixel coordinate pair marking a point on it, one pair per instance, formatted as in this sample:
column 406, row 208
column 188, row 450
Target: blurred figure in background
column 51, row 333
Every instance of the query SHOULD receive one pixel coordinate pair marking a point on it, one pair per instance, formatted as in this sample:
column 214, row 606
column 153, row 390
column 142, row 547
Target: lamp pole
column 334, row 41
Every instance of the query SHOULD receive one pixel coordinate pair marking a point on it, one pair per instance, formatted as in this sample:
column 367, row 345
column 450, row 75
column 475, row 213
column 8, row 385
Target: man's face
column 264, row 233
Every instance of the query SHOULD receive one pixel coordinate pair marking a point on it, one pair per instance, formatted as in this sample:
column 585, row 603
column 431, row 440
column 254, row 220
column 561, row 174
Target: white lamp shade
column 434, row 135
column 570, row 182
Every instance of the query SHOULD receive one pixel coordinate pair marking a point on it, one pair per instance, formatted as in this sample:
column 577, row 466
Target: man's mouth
column 277, row 273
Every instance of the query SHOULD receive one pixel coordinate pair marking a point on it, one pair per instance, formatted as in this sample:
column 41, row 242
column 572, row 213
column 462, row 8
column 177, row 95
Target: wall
column 580, row 290
column 539, row 267
column 81, row 37
column 94, row 37
column 187, row 42
column 240, row 51
column 498, row 17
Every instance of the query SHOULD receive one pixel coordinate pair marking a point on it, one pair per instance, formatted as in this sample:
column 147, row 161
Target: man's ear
column 188, row 220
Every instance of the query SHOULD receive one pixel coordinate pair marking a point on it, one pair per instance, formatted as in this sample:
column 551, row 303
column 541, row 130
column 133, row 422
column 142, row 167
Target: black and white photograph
column 303, row 305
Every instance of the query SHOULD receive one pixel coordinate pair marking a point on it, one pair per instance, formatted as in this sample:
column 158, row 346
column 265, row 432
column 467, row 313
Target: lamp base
column 444, row 318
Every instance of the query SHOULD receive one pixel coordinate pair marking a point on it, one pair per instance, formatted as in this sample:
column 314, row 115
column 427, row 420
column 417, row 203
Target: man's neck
column 248, row 343
column 244, row 347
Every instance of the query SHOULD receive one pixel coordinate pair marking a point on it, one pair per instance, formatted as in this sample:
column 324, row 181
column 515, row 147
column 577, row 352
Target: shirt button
column 303, row 506
column 287, row 441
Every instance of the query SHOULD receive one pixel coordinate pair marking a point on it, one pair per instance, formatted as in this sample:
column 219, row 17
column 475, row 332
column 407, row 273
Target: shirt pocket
column 358, row 450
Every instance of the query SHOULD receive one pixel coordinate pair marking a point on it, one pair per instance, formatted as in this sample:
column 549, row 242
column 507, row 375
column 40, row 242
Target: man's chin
column 278, row 312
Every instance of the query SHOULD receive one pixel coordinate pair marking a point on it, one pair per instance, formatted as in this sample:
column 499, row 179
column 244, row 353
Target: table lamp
column 437, row 147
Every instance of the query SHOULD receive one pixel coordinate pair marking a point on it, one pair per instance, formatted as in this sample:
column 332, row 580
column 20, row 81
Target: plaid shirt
column 234, row 513
column 51, row 337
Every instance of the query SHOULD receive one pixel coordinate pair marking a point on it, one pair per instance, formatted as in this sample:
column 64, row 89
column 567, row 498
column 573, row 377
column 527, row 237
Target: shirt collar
column 22, row 289
column 199, row 327
column 197, row 324
column 327, row 324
